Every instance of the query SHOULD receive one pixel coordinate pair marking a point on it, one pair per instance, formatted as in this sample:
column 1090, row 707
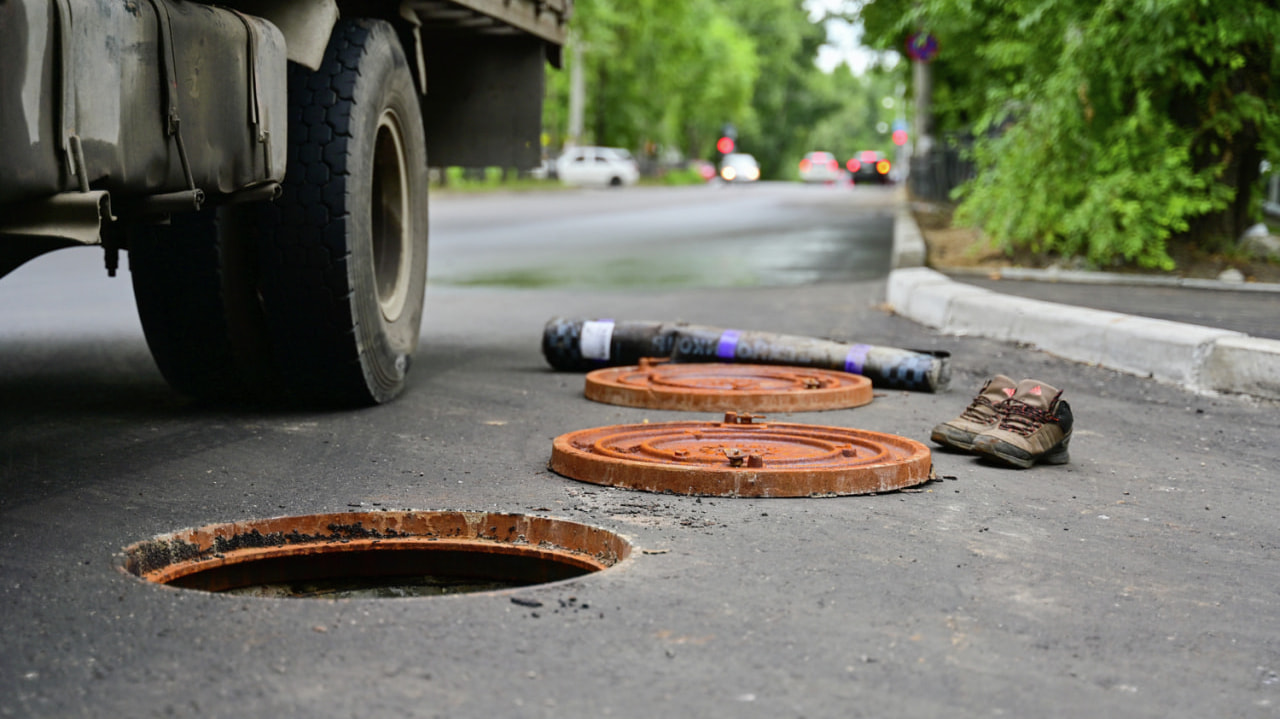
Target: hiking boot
column 980, row 416
column 1034, row 426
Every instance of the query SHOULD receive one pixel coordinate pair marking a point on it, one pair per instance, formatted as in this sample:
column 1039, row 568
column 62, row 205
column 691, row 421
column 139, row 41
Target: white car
column 601, row 166
column 739, row 167
column 820, row 167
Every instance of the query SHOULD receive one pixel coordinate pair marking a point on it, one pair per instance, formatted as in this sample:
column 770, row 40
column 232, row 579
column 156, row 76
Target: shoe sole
column 954, row 438
column 1013, row 456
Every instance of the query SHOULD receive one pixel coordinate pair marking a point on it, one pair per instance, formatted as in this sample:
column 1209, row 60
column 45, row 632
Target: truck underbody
column 256, row 127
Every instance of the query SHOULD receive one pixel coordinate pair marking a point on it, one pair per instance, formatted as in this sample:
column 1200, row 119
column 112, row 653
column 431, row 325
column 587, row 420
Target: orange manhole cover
column 741, row 458
column 710, row 387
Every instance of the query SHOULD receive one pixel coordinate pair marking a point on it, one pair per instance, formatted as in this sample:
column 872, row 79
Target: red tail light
column 804, row 165
column 882, row 167
column 853, row 165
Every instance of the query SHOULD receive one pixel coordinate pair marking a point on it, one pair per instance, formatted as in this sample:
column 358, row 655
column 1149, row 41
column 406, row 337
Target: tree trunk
column 600, row 108
column 1237, row 155
column 1241, row 161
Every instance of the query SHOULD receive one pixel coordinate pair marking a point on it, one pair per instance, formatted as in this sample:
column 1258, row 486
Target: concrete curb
column 908, row 243
column 1245, row 365
column 1080, row 277
column 1202, row 359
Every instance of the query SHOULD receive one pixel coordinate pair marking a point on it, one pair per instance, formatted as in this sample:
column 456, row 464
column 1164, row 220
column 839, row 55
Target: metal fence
column 1272, row 204
column 935, row 174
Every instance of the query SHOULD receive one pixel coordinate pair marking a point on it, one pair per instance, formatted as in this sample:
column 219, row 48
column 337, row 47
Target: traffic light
column 899, row 137
column 724, row 145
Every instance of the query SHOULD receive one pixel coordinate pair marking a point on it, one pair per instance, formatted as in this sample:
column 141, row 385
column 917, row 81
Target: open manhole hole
column 659, row 384
column 741, row 457
column 375, row 554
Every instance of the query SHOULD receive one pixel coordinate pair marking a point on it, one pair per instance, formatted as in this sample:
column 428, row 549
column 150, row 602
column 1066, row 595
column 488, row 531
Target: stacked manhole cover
column 743, row 455
column 656, row 384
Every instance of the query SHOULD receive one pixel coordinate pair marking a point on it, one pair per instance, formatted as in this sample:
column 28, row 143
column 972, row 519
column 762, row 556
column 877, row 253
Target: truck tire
column 343, row 250
column 193, row 285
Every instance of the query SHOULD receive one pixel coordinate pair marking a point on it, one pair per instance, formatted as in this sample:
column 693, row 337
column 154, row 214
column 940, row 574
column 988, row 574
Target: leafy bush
column 685, row 176
column 1050, row 187
column 1106, row 129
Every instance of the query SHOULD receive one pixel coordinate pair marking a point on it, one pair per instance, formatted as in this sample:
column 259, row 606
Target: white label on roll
column 596, row 337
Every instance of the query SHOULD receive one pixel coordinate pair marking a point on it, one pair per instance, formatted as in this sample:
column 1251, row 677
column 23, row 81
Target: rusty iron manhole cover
column 716, row 386
column 741, row 457
column 375, row 554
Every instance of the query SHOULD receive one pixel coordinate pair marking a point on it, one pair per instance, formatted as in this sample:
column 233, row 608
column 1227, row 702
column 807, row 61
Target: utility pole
column 922, row 80
column 922, row 48
column 577, row 92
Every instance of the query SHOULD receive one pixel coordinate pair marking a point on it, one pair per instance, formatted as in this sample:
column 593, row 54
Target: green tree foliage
column 853, row 125
column 658, row 73
column 672, row 73
column 1107, row 128
column 788, row 98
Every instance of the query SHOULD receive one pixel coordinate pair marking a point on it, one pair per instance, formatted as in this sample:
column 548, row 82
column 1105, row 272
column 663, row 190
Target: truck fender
column 305, row 24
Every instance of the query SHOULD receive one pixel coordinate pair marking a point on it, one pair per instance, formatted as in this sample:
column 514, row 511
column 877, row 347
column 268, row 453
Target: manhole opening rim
column 623, row 549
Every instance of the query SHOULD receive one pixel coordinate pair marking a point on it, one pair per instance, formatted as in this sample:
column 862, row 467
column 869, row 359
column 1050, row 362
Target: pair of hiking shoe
column 1014, row 423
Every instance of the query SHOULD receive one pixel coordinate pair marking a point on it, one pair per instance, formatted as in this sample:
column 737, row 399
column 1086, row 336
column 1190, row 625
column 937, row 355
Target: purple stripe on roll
column 856, row 358
column 728, row 344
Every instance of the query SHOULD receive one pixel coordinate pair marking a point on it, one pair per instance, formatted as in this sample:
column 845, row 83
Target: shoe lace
column 980, row 410
column 1021, row 418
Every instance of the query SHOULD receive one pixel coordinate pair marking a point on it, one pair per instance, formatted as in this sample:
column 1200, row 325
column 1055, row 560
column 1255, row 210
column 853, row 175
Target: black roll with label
column 580, row 345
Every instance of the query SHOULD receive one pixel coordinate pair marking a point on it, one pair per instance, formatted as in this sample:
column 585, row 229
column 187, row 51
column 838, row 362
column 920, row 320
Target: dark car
column 869, row 167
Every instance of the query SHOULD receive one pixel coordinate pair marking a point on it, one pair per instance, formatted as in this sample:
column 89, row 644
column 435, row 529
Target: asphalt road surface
column 1137, row 581
column 706, row 236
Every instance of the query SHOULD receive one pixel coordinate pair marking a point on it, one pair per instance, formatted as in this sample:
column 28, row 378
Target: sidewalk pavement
column 1201, row 359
